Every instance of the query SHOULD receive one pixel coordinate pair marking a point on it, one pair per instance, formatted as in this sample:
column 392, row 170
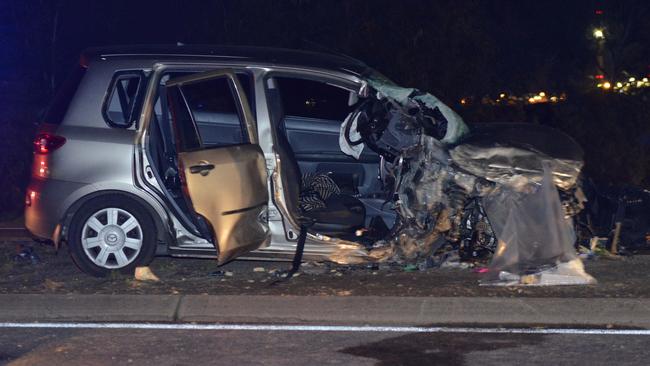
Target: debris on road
column 27, row 255
column 314, row 268
column 145, row 274
column 616, row 278
column 565, row 273
column 217, row 273
column 52, row 285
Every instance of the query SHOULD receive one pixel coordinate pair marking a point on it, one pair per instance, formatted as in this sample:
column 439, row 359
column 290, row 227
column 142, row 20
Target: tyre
column 111, row 233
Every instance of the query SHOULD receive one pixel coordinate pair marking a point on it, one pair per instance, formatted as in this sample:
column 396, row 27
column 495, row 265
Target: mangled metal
column 479, row 194
column 431, row 107
column 510, row 154
column 546, row 242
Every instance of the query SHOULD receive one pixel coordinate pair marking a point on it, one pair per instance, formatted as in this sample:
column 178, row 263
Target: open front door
column 222, row 166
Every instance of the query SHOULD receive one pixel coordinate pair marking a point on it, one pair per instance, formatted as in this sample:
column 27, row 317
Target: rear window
column 59, row 106
column 120, row 107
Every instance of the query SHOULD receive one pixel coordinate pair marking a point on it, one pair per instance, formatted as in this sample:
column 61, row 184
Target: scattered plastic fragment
column 597, row 250
column 372, row 266
column 217, row 273
column 27, row 255
column 566, row 273
column 145, row 274
column 313, row 270
column 410, row 268
column 52, row 285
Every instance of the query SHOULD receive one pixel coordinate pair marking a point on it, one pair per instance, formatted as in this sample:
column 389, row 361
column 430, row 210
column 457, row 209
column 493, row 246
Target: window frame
column 133, row 113
column 240, row 114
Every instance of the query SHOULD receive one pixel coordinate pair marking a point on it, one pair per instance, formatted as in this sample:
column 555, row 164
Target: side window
column 207, row 114
column 215, row 109
column 244, row 79
column 313, row 99
column 120, row 106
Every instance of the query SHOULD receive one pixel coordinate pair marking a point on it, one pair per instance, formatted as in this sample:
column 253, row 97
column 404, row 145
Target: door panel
column 231, row 195
column 224, row 170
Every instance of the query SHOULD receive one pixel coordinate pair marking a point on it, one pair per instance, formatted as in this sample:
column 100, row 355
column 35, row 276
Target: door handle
column 201, row 168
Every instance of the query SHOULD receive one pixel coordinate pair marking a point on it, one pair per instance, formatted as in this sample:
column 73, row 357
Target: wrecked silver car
column 241, row 152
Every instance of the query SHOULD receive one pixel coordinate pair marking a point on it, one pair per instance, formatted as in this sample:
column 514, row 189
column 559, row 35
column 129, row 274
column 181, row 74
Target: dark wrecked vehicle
column 228, row 152
column 617, row 217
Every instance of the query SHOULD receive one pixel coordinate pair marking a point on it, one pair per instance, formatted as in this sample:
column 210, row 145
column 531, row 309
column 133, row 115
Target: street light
column 599, row 33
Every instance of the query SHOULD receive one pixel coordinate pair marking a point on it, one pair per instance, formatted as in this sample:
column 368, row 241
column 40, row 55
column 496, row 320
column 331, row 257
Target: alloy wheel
column 112, row 238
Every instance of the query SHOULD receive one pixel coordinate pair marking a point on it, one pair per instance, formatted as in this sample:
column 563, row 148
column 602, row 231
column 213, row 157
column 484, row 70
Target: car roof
column 254, row 55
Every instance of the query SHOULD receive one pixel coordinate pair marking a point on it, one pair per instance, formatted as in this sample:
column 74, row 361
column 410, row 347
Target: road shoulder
column 352, row 310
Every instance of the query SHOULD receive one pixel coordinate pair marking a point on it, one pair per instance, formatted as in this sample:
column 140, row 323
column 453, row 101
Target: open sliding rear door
column 223, row 168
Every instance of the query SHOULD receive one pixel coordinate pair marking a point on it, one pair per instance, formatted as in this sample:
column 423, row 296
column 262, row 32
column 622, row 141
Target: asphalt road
column 263, row 347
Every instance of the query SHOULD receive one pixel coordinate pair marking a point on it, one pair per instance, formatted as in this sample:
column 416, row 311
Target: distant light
column 619, row 85
column 554, row 99
column 600, row 76
column 531, row 100
column 542, row 94
column 599, row 12
column 463, row 101
column 607, row 85
column 645, row 80
column 631, row 80
column 502, row 95
column 599, row 33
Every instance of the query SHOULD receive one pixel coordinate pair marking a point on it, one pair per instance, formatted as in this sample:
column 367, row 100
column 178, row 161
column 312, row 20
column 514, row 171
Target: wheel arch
column 158, row 214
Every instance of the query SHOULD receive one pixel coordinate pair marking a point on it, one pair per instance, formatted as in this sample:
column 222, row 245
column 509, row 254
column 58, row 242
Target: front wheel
column 111, row 233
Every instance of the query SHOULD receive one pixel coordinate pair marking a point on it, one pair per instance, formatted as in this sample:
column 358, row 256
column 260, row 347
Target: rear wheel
column 111, row 233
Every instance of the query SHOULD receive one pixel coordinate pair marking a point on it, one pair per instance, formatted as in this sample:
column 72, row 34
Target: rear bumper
column 49, row 202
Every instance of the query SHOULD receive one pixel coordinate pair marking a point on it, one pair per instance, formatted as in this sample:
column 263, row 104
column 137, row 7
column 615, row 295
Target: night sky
column 481, row 45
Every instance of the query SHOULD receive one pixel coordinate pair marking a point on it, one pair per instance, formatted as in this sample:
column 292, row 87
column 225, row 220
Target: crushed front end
column 502, row 192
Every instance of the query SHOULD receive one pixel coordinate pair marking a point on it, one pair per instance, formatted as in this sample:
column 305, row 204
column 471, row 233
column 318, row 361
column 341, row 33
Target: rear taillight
column 45, row 143
column 30, row 197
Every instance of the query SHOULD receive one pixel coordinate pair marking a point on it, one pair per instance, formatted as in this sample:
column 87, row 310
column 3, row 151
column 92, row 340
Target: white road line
column 326, row 328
